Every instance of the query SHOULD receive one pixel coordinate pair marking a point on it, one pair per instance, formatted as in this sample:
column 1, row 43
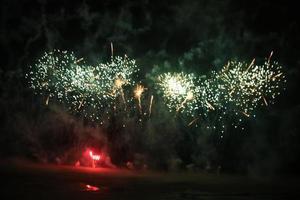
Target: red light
column 91, row 188
column 95, row 157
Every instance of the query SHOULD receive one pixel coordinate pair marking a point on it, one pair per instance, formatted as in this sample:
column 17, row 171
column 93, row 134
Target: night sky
column 203, row 35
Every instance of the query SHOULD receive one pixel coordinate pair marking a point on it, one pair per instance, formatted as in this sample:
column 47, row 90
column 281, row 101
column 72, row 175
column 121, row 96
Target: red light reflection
column 91, row 188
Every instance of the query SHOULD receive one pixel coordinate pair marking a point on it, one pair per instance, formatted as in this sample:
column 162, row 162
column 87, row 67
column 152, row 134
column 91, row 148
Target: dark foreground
column 20, row 180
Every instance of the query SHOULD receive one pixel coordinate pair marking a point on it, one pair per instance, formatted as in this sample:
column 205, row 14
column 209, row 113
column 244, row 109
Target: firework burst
column 224, row 97
column 180, row 91
column 117, row 74
column 247, row 86
column 82, row 88
column 48, row 76
column 237, row 90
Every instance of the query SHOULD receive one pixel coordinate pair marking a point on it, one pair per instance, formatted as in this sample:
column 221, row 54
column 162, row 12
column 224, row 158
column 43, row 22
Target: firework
column 82, row 88
column 193, row 121
column 138, row 91
column 59, row 75
column 117, row 74
column 248, row 86
column 94, row 157
column 150, row 105
column 234, row 92
column 237, row 90
column 210, row 97
column 180, row 91
column 50, row 75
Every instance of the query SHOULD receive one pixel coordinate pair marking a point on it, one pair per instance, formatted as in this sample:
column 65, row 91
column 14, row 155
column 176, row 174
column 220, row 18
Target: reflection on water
column 91, row 188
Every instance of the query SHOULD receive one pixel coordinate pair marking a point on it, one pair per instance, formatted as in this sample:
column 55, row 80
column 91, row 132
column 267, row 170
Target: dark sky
column 247, row 28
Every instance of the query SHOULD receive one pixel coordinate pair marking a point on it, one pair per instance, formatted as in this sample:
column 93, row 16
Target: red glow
column 91, row 188
column 95, row 157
